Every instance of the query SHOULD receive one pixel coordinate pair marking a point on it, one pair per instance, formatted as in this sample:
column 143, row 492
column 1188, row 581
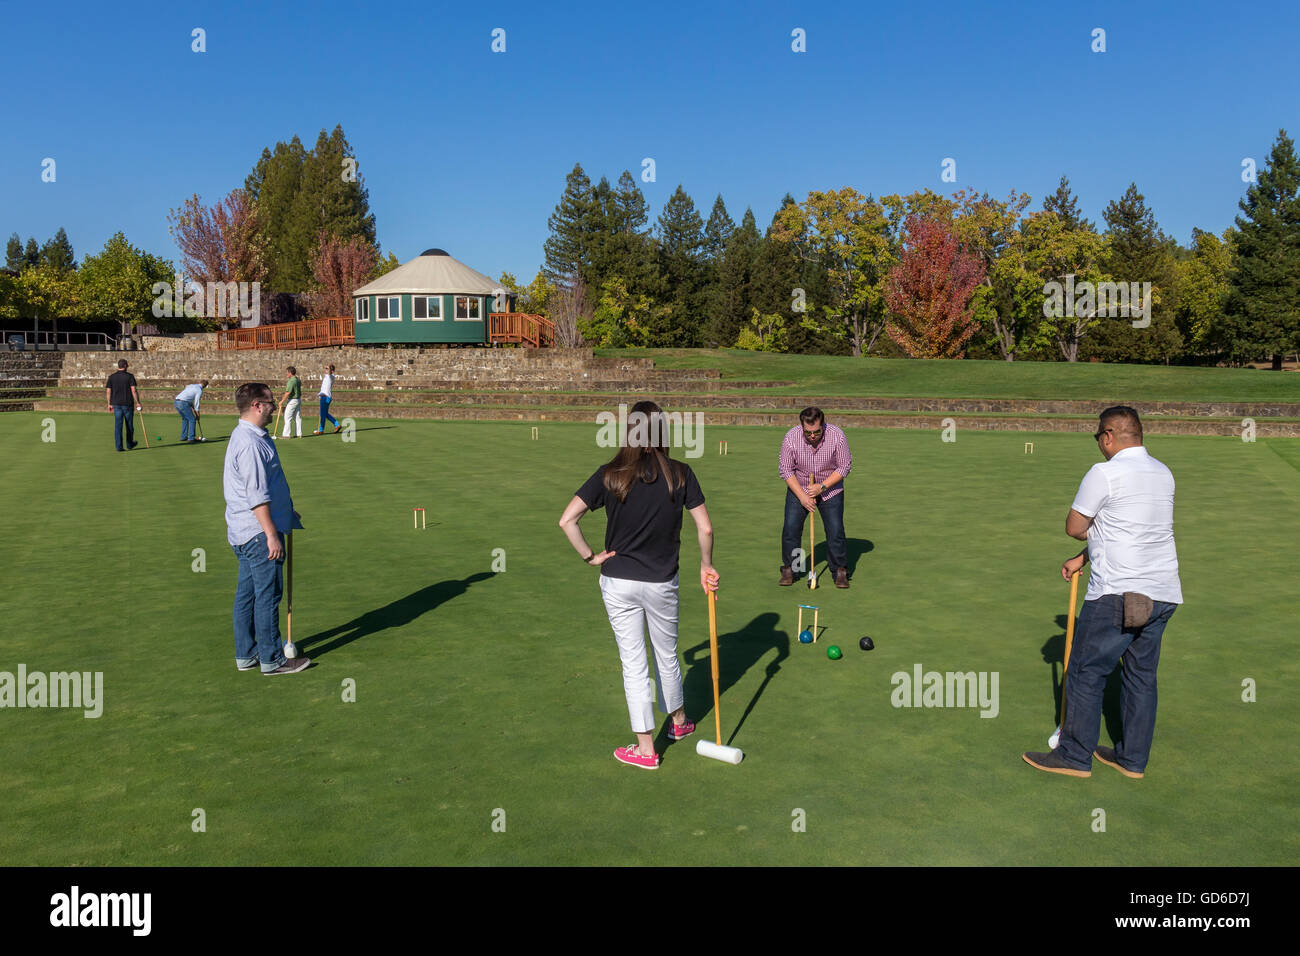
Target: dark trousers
column 123, row 415
column 792, row 536
column 1101, row 641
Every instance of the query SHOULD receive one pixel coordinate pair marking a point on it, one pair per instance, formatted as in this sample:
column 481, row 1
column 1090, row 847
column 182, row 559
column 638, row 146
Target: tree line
column 839, row 272
column 926, row 275
column 300, row 227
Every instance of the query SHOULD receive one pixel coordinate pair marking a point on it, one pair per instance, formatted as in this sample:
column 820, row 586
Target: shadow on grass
column 738, row 651
column 1054, row 654
column 855, row 548
column 397, row 614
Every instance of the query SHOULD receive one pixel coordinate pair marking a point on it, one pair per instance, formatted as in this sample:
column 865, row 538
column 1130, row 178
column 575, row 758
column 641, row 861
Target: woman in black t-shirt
column 644, row 492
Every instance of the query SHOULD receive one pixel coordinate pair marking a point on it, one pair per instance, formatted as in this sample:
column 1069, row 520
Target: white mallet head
column 707, row 748
column 290, row 650
column 1055, row 739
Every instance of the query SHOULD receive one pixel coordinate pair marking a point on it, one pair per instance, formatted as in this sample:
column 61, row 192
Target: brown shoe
column 1107, row 756
column 787, row 577
column 841, row 577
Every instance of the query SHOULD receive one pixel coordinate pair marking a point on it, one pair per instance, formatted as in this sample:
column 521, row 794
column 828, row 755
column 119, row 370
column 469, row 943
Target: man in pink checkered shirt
column 815, row 460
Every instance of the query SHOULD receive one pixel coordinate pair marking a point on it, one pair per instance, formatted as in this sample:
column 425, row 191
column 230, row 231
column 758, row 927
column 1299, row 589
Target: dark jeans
column 123, row 415
column 257, row 605
column 792, row 536
column 1100, row 641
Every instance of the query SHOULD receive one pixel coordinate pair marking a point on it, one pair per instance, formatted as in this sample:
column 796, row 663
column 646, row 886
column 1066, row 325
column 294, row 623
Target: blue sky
column 467, row 149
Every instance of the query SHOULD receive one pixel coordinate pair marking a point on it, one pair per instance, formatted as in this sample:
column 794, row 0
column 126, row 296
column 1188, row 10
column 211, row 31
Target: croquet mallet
column 1065, row 666
column 706, row 748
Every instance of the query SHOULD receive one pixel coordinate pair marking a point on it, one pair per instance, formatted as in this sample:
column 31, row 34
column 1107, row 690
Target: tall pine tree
column 1065, row 204
column 733, row 293
column 681, row 273
column 567, row 249
column 14, row 260
column 57, row 252
column 1136, row 252
column 1262, row 312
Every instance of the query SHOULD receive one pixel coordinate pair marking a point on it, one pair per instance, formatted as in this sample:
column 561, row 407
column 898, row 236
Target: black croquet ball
column 866, row 643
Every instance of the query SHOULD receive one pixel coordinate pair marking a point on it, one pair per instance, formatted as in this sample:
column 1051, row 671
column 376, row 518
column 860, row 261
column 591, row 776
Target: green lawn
column 904, row 378
column 478, row 691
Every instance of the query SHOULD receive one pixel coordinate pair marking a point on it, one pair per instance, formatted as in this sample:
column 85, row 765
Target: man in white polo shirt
column 1125, row 511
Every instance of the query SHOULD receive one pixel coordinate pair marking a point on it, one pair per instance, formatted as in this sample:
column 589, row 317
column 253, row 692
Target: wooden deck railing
column 522, row 328
column 311, row 334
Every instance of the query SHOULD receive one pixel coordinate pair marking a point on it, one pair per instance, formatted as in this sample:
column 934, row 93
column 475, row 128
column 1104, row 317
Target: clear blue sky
column 467, row 149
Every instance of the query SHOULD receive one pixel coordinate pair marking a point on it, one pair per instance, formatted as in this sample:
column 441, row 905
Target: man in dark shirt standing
column 120, row 393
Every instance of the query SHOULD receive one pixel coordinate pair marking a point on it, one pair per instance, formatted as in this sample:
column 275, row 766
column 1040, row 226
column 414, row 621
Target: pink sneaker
column 682, row 730
column 629, row 755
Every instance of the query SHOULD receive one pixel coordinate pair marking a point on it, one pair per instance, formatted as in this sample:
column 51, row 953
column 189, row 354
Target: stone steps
column 915, row 420
column 441, row 394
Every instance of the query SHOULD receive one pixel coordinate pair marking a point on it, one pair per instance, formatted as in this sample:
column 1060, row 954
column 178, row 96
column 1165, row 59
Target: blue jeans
column 123, row 415
column 1100, row 641
column 187, row 419
column 325, row 412
column 832, row 513
column 257, row 605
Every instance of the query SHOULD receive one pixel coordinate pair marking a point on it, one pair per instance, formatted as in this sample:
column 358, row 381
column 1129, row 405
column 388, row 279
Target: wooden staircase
column 521, row 328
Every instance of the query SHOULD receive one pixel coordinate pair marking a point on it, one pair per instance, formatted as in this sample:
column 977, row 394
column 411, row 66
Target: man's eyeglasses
column 1097, row 437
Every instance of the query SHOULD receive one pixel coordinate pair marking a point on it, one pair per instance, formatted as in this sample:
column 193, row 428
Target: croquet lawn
column 488, row 702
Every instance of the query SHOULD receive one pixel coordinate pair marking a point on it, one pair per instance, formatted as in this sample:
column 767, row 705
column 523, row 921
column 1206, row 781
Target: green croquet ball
column 834, row 653
column 159, row 438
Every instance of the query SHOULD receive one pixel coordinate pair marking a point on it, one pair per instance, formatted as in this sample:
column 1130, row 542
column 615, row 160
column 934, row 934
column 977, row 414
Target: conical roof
column 433, row 272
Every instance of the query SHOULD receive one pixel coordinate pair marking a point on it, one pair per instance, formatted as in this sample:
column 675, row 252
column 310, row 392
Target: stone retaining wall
column 189, row 342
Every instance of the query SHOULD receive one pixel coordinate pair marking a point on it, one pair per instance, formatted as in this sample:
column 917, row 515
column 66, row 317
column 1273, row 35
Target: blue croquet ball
column 805, row 637
column 866, row 643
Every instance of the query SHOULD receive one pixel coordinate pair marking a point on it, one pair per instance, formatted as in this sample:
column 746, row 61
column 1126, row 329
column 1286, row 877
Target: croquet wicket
column 418, row 519
column 1029, row 448
column 815, row 609
column 722, row 447
column 534, row 433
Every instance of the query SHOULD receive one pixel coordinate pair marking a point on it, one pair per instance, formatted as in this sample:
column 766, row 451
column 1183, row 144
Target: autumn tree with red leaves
column 338, row 269
column 221, row 244
column 929, row 292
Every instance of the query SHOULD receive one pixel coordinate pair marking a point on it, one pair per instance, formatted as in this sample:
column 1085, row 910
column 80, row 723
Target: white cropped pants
column 634, row 607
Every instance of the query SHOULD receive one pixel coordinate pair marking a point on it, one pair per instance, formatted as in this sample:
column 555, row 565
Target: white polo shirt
column 1131, row 542
column 327, row 385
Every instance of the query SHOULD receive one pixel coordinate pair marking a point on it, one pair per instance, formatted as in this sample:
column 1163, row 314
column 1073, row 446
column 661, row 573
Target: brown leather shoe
column 841, row 577
column 787, row 577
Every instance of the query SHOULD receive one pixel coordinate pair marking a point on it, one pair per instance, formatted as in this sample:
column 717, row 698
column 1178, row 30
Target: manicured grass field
column 479, row 691
column 903, row 378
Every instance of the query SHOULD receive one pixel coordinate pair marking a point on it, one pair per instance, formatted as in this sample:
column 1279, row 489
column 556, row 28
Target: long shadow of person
column 1054, row 654
column 396, row 614
column 738, row 651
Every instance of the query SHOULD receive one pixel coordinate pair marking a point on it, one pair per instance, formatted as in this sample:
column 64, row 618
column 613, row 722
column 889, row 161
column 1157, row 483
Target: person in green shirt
column 292, row 403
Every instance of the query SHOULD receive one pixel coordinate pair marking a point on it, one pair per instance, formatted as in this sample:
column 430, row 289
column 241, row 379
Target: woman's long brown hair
column 644, row 460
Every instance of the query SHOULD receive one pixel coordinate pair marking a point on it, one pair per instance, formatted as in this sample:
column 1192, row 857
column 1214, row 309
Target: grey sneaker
column 251, row 665
column 1107, row 756
column 1053, row 763
column 291, row 666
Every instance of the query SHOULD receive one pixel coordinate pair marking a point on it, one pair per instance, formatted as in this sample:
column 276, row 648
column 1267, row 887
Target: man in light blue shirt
column 259, row 512
column 187, row 406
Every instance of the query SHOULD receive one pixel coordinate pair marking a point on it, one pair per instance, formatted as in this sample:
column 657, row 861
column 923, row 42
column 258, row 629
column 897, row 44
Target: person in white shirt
column 1124, row 510
column 187, row 406
column 327, row 396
